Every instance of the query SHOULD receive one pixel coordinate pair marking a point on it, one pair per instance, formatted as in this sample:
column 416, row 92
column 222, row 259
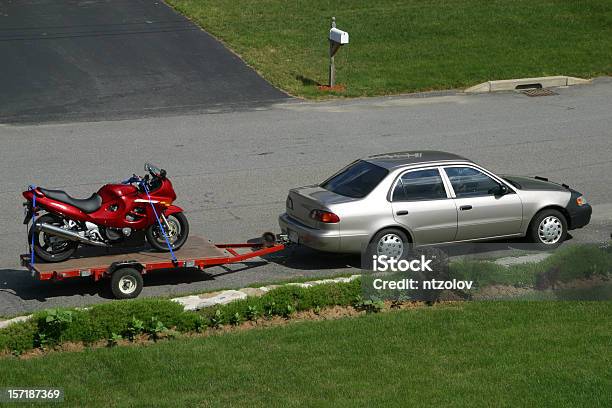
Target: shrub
column 579, row 261
column 19, row 337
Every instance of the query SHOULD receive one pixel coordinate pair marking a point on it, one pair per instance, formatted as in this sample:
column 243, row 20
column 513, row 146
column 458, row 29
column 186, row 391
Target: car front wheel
column 548, row 229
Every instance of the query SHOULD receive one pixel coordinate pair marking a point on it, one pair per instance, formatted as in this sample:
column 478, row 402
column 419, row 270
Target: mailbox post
column 337, row 38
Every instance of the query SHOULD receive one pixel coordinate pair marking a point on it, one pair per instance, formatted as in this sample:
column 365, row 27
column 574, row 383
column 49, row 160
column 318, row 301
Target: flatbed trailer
column 125, row 269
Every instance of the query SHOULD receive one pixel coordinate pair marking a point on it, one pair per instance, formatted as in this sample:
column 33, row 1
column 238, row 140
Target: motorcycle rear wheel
column 50, row 248
column 177, row 234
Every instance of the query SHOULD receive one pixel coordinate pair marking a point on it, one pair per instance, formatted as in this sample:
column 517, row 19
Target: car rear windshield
column 356, row 180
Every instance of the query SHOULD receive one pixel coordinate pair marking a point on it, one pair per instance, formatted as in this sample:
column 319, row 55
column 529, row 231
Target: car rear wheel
column 548, row 229
column 391, row 242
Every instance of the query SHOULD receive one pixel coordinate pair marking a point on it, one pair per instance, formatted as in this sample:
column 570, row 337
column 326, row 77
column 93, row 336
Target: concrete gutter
column 525, row 83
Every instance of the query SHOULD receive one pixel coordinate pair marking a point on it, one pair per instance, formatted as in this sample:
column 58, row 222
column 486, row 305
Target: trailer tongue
column 125, row 269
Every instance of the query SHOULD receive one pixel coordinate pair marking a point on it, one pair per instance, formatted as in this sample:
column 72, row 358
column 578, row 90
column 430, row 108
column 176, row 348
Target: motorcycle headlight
column 581, row 201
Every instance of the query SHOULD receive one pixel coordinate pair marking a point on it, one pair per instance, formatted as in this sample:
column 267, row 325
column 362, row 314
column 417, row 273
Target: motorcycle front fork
column 165, row 223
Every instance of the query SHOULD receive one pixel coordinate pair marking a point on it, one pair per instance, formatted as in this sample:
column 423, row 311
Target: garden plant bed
column 142, row 339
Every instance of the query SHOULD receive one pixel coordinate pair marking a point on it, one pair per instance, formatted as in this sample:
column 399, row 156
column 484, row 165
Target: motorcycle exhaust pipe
column 70, row 235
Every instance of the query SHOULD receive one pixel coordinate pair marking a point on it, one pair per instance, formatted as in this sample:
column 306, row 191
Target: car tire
column 126, row 283
column 392, row 242
column 548, row 229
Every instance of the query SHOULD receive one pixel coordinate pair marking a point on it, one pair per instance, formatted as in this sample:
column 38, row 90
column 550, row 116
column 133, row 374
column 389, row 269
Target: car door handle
column 465, row 207
column 403, row 212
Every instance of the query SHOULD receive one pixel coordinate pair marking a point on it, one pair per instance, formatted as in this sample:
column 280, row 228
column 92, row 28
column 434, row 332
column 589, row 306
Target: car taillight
column 324, row 216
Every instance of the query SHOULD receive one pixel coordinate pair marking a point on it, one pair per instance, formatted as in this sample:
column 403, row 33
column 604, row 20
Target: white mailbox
column 338, row 36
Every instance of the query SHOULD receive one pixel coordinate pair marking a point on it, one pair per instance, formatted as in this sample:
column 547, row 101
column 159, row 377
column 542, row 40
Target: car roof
column 399, row 159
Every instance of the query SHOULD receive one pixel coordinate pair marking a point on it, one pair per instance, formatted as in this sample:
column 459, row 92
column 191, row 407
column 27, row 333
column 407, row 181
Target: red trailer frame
column 199, row 253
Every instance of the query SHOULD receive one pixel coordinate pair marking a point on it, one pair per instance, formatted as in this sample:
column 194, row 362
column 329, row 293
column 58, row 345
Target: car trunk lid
column 301, row 201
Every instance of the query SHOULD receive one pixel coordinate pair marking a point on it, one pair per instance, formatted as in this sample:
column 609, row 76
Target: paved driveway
column 65, row 60
column 232, row 170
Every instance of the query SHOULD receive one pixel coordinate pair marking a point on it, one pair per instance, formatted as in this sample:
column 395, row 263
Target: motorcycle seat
column 87, row 205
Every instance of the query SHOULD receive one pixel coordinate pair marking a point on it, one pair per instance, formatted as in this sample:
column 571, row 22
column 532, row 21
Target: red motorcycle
column 106, row 218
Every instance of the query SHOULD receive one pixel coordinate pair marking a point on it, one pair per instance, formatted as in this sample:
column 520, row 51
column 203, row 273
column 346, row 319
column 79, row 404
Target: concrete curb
column 6, row 323
column 520, row 260
column 197, row 302
column 539, row 82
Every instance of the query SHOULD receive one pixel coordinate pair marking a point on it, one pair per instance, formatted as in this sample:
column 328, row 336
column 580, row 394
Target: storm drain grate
column 539, row 92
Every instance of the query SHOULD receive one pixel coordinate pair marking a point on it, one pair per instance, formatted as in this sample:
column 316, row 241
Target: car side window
column 469, row 182
column 419, row 185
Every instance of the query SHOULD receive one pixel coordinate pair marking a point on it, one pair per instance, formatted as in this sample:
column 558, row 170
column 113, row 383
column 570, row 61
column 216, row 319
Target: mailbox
column 338, row 36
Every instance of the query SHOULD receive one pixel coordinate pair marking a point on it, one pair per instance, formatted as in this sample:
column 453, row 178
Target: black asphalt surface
column 98, row 60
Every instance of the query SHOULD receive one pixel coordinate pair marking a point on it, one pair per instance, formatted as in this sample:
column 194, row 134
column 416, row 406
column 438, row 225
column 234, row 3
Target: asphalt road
column 232, row 170
column 97, row 60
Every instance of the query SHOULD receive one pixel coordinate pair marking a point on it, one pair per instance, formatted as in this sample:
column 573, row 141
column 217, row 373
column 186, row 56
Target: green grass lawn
column 477, row 354
column 404, row 46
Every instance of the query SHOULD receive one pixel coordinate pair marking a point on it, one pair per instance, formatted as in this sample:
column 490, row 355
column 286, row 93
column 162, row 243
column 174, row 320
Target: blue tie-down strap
column 32, row 188
column 161, row 227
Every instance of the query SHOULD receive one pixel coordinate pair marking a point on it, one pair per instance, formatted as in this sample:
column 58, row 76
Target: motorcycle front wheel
column 177, row 232
column 50, row 248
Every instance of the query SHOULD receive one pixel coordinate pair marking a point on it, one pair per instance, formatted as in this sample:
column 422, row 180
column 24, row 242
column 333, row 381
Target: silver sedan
column 425, row 198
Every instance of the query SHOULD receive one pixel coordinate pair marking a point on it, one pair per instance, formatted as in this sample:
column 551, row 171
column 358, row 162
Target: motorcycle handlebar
column 133, row 179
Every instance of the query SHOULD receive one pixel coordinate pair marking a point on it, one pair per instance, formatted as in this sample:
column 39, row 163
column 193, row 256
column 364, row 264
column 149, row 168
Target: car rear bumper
column 579, row 216
column 322, row 240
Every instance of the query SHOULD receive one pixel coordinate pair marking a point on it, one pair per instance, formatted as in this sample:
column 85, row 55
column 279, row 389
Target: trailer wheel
column 126, row 283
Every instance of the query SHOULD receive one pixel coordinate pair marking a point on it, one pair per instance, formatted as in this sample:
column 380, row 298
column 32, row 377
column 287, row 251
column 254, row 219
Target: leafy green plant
column 51, row 326
column 269, row 309
column 41, row 340
column 199, row 324
column 155, row 328
column 135, row 327
column 252, row 312
column 287, row 311
column 114, row 339
column 217, row 319
column 235, row 319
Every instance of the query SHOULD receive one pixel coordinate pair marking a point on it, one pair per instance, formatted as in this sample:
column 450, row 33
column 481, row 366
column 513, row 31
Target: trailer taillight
column 324, row 216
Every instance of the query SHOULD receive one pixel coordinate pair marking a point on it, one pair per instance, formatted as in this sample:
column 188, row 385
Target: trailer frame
column 143, row 262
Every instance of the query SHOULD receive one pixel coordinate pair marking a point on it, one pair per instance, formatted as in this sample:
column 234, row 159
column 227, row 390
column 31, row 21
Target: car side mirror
column 500, row 190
